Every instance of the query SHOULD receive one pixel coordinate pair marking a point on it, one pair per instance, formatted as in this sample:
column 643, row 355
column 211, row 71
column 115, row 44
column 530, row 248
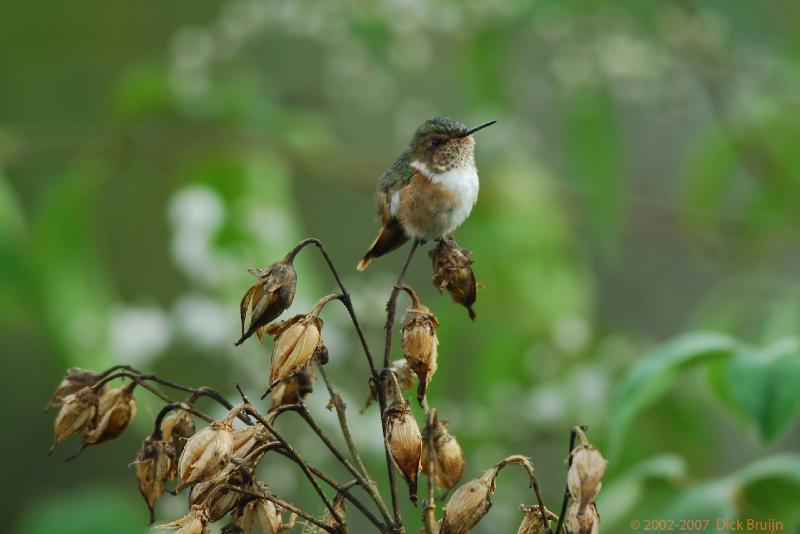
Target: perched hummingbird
column 430, row 189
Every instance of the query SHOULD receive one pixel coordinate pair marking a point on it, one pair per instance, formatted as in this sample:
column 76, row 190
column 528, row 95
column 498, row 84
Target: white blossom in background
column 204, row 322
column 137, row 335
column 571, row 334
column 545, row 405
column 196, row 213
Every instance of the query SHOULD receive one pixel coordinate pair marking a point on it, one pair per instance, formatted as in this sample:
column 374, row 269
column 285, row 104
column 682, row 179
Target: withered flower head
column 177, row 427
column 206, row 453
column 448, row 461
column 582, row 521
column 420, row 344
column 405, row 379
column 295, row 388
column 77, row 413
column 452, row 270
column 195, row 522
column 259, row 516
column 247, row 439
column 469, row 504
column 154, row 466
column 75, row 380
column 405, row 443
column 532, row 522
column 269, row 297
column 297, row 340
column 214, row 497
column 585, row 474
column 115, row 410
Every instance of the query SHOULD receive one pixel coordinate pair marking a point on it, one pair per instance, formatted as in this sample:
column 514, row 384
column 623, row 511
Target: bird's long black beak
column 475, row 129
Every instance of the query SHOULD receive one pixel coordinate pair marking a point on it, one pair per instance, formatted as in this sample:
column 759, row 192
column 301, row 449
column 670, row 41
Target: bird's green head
column 441, row 144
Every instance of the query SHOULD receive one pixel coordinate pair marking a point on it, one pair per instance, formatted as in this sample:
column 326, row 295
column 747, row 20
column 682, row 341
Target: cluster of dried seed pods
column 217, row 463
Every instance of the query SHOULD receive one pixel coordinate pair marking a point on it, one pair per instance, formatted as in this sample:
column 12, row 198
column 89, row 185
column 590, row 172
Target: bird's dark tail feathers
column 389, row 238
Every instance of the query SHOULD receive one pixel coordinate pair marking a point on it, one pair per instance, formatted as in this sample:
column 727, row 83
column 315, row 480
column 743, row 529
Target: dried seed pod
column 295, row 388
column 469, row 504
column 206, row 453
column 448, row 460
column 77, row 413
column 177, row 427
column 259, row 516
column 269, row 297
column 296, row 340
column 213, row 497
column 585, row 521
column 532, row 522
column 405, row 379
column 154, row 466
column 195, row 522
column 452, row 270
column 585, row 474
column 420, row 344
column 405, row 443
column 115, row 410
column 75, row 380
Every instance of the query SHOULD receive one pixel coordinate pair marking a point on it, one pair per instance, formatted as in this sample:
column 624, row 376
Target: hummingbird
column 431, row 188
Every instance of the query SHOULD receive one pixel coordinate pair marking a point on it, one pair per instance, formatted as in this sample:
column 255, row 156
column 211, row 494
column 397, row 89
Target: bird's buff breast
column 429, row 208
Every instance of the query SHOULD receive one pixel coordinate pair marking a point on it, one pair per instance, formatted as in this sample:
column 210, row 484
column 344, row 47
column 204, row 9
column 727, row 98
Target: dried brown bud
column 405, row 379
column 213, row 497
column 296, row 341
column 469, row 504
column 452, row 270
column 420, row 344
column 268, row 298
column 586, row 521
column 206, row 453
column 259, row 516
column 75, row 380
column 295, row 388
column 195, row 522
column 177, row 427
column 448, row 461
column 154, row 466
column 77, row 413
column 405, row 443
column 115, row 410
column 248, row 439
column 533, row 522
column 585, row 474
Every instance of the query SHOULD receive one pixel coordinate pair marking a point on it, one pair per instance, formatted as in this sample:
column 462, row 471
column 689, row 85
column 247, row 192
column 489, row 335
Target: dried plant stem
column 526, row 462
column 364, row 481
column 429, row 510
column 391, row 307
column 346, row 300
column 344, row 490
column 248, row 408
column 287, row 506
column 572, row 435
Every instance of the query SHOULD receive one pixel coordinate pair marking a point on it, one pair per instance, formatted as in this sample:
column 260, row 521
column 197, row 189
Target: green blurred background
column 636, row 232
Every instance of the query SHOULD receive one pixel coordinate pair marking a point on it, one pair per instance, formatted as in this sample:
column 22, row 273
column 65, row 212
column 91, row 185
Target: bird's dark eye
column 436, row 143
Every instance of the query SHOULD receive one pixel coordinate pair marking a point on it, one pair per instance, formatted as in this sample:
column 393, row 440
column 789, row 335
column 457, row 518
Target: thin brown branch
column 298, row 460
column 572, row 435
column 287, row 506
column 429, row 509
column 346, row 300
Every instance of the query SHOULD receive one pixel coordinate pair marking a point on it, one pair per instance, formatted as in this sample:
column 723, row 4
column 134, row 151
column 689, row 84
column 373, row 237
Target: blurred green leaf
column 719, row 499
column 92, row 511
column 763, row 384
column 624, row 493
column 593, row 153
column 657, row 372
